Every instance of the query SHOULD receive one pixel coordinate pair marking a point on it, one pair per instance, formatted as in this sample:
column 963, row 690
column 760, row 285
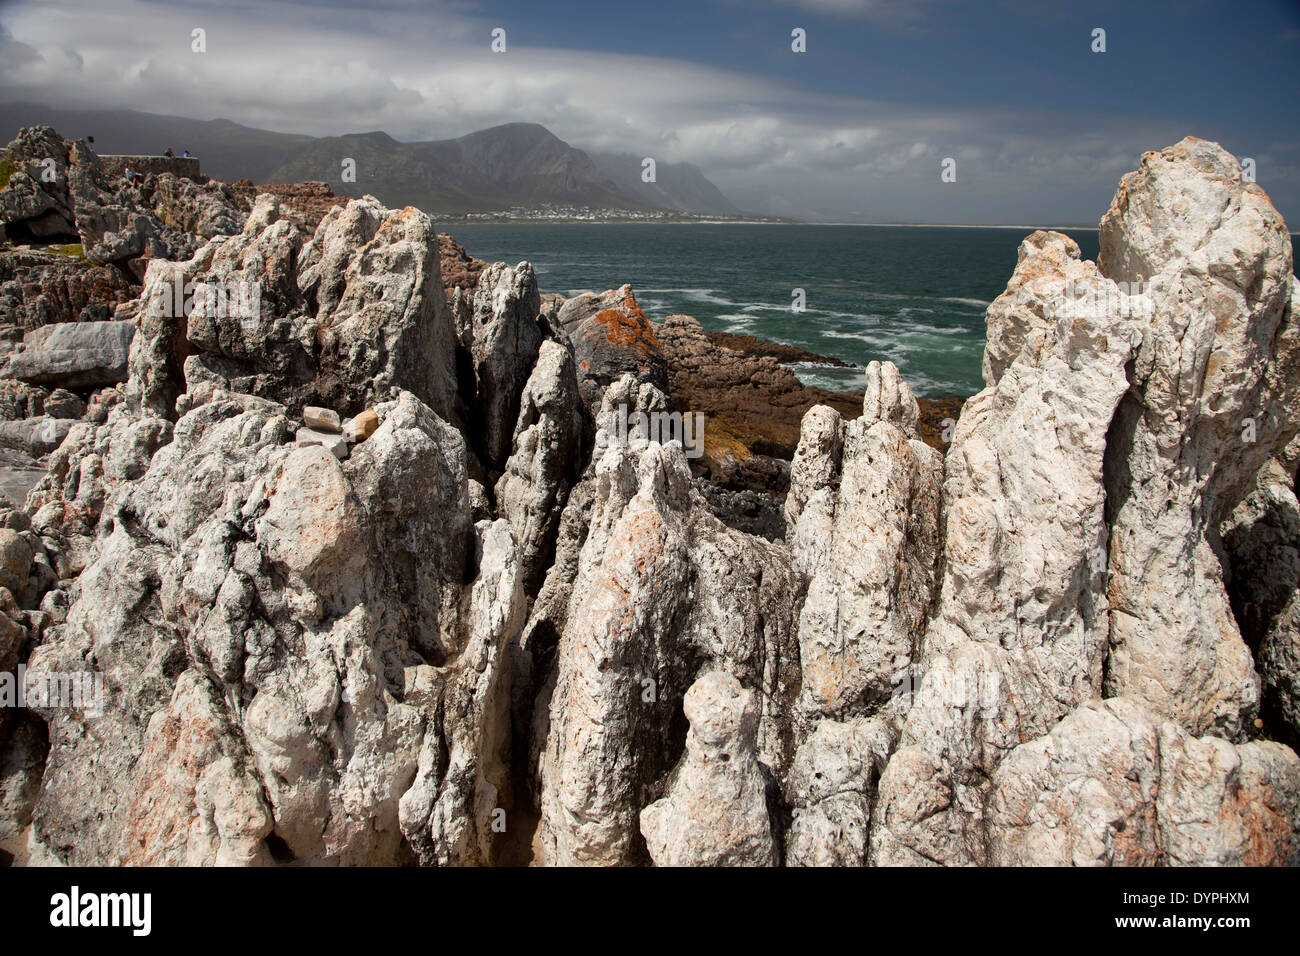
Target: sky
column 855, row 128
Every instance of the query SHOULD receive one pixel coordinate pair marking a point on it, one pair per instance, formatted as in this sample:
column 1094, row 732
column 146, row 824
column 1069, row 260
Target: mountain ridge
column 511, row 165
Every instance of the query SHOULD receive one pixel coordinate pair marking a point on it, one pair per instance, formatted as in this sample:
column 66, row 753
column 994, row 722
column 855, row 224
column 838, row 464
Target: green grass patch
column 75, row 250
column 7, row 169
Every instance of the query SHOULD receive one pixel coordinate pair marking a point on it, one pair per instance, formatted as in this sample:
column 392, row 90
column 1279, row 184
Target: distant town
column 562, row 213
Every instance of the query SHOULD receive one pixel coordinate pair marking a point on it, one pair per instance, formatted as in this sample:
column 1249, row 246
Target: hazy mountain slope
column 680, row 187
column 516, row 164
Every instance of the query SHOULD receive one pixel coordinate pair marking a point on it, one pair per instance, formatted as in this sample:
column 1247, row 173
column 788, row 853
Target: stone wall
column 187, row 168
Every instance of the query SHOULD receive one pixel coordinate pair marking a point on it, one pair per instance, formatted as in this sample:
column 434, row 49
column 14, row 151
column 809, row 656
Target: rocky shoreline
column 360, row 543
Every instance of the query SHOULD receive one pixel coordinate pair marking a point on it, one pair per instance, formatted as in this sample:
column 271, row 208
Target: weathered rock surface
column 1018, row 638
column 73, row 355
column 662, row 592
column 503, row 339
column 548, row 445
column 341, row 321
column 467, row 615
column 36, row 197
column 830, row 789
column 1207, row 404
column 611, row 337
column 1108, row 786
column 305, row 204
column 753, row 405
column 328, row 652
column 35, row 436
column 1262, row 539
column 863, row 524
column 715, row 812
column 44, row 288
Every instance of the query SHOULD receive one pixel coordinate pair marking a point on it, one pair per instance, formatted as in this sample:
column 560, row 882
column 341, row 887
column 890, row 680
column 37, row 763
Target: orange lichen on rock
column 629, row 328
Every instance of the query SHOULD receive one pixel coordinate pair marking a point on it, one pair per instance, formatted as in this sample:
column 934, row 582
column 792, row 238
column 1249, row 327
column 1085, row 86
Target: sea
column 914, row 295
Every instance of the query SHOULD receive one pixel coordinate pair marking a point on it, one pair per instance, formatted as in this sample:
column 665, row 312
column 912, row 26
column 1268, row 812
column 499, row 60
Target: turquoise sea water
column 914, row 295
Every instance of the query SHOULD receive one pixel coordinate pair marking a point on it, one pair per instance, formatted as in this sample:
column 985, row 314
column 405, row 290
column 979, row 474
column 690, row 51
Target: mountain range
column 492, row 170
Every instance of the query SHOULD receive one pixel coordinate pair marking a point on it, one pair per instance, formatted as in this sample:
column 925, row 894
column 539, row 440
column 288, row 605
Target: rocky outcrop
column 304, row 204
column 382, row 572
column 34, row 199
column 547, row 448
column 1039, row 611
column 204, row 210
column 1018, row 638
column 503, row 339
column 661, row 592
column 338, row 685
column 1210, row 397
column 715, row 812
column 863, row 524
column 752, row 403
column 1262, row 540
column 44, row 288
column 59, row 189
column 460, row 271
column 1154, row 795
column 612, row 337
column 340, row 321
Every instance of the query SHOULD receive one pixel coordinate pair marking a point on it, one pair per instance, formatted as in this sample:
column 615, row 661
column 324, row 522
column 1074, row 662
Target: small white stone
column 335, row 443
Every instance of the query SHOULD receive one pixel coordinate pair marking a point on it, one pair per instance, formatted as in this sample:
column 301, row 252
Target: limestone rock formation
column 503, row 339
column 1109, row 787
column 1262, row 539
column 329, row 654
column 863, row 512
column 35, row 196
column 1018, row 637
column 661, row 592
column 547, row 443
column 715, row 812
column 340, row 321
column 1204, row 410
column 43, row 288
column 372, row 566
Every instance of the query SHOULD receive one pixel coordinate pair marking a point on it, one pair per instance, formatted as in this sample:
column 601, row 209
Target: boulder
column 611, row 337
column 36, row 437
column 74, row 355
column 361, row 426
column 335, row 443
